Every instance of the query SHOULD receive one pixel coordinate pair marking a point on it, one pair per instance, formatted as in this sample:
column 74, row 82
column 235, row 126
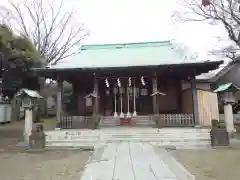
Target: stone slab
column 129, row 161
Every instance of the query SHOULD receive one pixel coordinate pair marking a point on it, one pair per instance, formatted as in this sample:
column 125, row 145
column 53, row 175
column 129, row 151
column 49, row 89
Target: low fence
column 79, row 122
column 161, row 120
column 174, row 120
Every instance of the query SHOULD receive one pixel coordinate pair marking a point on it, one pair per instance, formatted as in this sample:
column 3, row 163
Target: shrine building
column 134, row 82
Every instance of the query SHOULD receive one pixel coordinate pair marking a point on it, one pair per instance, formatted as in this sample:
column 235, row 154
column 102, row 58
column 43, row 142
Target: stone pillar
column 154, row 86
column 195, row 101
column 96, row 91
column 229, row 120
column 59, row 101
column 228, row 99
column 28, row 124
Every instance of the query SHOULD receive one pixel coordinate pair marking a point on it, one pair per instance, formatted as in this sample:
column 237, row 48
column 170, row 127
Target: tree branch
column 225, row 11
column 54, row 31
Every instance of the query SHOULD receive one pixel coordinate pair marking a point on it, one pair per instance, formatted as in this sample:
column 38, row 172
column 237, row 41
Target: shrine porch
column 135, row 106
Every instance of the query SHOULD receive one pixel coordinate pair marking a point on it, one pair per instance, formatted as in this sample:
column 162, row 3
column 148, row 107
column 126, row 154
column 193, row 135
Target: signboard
column 64, row 136
column 71, row 138
column 73, row 135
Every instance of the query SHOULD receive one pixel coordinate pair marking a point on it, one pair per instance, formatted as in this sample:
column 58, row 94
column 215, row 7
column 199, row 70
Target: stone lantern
column 226, row 93
column 29, row 99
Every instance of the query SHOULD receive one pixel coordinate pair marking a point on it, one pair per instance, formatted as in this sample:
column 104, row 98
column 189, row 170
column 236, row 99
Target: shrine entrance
column 127, row 100
column 132, row 100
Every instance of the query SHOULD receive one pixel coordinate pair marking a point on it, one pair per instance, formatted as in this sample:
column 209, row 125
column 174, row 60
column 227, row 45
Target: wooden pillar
column 59, row 101
column 75, row 99
column 96, row 91
column 154, row 84
column 195, row 101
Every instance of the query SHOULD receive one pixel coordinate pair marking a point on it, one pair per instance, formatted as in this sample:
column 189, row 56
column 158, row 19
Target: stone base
column 181, row 138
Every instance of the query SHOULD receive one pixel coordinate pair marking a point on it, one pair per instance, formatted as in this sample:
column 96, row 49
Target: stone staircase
column 142, row 121
column 110, row 121
column 166, row 137
column 180, row 138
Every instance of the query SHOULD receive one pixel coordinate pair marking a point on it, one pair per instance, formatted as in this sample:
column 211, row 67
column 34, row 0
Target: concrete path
column 130, row 161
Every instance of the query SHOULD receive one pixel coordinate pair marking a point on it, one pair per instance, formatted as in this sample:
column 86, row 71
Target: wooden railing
column 79, row 122
column 173, row 120
column 161, row 120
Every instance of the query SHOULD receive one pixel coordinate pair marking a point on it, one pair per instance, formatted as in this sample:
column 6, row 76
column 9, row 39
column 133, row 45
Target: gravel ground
column 211, row 164
column 47, row 165
column 16, row 164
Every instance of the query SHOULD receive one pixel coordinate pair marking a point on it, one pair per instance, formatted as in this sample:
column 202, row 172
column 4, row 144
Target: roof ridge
column 121, row 45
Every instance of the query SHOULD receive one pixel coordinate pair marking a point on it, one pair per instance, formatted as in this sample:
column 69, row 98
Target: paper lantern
column 118, row 83
column 129, row 82
column 142, row 81
column 107, row 83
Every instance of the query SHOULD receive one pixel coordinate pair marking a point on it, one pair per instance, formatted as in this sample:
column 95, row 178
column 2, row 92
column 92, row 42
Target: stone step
column 160, row 134
column 163, row 144
column 182, row 138
column 156, row 142
column 112, row 122
column 156, row 139
column 153, row 130
column 69, row 145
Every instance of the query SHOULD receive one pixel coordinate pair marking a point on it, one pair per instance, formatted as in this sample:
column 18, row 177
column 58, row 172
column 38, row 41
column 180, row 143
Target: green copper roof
column 225, row 88
column 125, row 55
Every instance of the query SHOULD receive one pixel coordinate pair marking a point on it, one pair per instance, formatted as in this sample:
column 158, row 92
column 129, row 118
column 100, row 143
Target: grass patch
column 49, row 123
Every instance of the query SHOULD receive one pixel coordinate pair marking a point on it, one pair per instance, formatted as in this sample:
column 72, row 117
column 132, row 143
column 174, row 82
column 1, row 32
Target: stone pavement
column 133, row 161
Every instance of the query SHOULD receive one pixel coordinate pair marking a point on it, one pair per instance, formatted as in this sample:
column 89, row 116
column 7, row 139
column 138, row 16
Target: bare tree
column 51, row 28
column 225, row 11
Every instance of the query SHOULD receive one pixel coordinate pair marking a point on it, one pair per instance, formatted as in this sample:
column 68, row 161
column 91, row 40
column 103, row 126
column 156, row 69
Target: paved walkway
column 129, row 161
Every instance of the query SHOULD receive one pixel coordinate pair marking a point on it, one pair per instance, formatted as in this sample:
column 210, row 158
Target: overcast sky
column 114, row 21
column 111, row 21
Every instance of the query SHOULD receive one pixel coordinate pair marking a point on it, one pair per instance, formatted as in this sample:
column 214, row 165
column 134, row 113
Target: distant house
column 230, row 73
